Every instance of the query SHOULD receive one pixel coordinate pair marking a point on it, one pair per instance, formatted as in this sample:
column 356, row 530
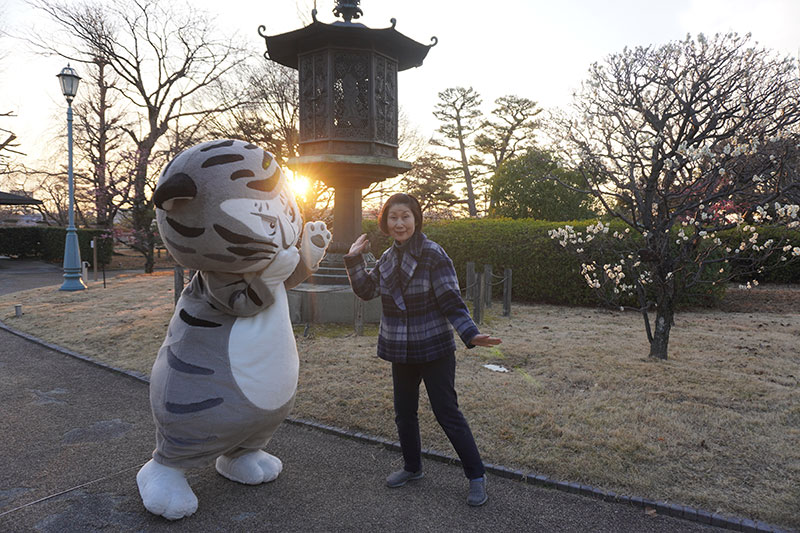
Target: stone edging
column 532, row 478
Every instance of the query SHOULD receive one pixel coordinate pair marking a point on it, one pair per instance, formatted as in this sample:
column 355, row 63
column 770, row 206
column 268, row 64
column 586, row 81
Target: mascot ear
column 179, row 186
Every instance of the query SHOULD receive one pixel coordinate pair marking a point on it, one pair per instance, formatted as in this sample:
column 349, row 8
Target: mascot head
column 225, row 206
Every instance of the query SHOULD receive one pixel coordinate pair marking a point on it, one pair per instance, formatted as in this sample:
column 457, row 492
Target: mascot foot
column 165, row 492
column 251, row 469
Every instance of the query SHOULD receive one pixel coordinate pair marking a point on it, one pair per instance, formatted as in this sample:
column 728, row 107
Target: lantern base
column 325, row 304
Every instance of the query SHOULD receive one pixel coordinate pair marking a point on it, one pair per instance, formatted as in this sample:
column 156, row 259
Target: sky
column 538, row 49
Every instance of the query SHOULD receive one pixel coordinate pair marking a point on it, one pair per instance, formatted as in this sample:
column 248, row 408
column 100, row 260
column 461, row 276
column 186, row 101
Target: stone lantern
column 348, row 107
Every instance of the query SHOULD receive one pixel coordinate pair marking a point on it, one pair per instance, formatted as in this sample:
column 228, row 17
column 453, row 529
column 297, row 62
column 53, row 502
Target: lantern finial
column 348, row 9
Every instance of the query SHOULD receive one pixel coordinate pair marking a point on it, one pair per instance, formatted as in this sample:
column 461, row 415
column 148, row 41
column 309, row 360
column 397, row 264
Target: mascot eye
column 269, row 221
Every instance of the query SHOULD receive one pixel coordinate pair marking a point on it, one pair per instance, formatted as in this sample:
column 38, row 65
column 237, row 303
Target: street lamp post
column 69, row 80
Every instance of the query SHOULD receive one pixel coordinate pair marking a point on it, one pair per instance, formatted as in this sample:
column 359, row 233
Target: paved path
column 22, row 274
column 19, row 275
column 74, row 434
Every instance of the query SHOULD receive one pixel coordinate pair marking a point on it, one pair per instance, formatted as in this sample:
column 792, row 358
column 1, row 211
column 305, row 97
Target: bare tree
column 7, row 139
column 459, row 114
column 165, row 60
column 101, row 139
column 51, row 188
column 431, row 182
column 269, row 110
column 681, row 142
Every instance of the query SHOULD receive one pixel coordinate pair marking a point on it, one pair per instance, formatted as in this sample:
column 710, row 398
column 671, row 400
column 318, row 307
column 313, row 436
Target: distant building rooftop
column 7, row 198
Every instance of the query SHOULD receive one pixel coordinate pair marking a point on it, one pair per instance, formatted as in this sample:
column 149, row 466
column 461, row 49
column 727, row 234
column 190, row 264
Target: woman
column 420, row 298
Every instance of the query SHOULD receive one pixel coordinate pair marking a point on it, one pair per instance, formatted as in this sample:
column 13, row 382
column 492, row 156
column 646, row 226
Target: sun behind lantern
column 300, row 185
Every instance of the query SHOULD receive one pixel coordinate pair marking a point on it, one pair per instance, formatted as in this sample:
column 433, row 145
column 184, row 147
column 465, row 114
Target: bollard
column 477, row 300
column 470, row 280
column 18, row 310
column 85, row 272
column 507, row 292
column 94, row 257
column 487, row 282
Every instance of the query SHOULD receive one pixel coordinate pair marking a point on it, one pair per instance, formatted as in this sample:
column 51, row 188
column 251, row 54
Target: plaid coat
column 420, row 299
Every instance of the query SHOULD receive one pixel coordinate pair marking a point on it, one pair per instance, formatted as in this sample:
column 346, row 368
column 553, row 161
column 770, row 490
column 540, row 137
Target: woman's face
column 400, row 222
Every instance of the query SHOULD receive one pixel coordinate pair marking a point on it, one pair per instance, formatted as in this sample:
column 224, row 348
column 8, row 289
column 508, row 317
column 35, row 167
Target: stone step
column 329, row 279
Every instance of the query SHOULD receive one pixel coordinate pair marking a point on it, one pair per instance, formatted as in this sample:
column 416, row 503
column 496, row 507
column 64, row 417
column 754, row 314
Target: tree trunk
column 149, row 255
column 102, row 195
column 664, row 318
column 473, row 211
column 142, row 211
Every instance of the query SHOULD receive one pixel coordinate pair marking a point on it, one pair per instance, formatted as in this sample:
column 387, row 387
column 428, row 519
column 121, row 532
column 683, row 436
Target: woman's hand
column 484, row 340
column 360, row 246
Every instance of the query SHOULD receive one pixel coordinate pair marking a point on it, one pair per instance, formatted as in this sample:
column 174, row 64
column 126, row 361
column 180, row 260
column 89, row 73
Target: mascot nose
column 288, row 232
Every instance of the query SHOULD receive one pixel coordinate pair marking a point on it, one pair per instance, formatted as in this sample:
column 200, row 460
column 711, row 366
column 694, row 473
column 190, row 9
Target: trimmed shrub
column 47, row 243
column 21, row 241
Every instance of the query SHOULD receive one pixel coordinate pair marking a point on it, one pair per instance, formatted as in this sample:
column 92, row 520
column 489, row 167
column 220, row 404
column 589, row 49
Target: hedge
column 543, row 271
column 47, row 243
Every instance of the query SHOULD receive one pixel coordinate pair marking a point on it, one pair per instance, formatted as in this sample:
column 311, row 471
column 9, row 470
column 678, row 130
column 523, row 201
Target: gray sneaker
column 401, row 477
column 477, row 491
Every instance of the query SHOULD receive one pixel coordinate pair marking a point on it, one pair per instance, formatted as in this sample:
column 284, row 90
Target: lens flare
column 300, row 186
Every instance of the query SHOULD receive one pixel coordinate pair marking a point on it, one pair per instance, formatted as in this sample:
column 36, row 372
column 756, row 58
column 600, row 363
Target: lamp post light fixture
column 69, row 80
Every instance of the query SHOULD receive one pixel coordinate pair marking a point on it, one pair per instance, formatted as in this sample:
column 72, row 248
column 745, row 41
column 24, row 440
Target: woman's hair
column 400, row 198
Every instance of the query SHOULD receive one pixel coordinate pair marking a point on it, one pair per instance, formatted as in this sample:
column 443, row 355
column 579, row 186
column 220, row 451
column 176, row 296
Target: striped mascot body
column 225, row 376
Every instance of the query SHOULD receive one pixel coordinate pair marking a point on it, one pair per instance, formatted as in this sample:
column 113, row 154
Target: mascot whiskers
column 226, row 374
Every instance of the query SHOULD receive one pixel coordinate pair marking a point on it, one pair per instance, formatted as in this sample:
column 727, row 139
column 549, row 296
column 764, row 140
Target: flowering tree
column 681, row 142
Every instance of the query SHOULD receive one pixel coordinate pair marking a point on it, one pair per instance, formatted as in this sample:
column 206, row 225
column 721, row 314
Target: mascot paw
column 316, row 239
column 251, row 469
column 165, row 492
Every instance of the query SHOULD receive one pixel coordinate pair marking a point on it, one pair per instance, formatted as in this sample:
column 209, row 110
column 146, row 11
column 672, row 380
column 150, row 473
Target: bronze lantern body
column 348, row 107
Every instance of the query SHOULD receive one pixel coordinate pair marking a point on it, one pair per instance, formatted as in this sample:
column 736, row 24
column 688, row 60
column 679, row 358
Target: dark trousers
column 439, row 377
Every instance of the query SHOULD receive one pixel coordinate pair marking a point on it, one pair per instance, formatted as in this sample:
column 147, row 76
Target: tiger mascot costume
column 225, row 376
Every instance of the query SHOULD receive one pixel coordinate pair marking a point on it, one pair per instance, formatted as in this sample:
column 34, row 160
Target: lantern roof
column 286, row 47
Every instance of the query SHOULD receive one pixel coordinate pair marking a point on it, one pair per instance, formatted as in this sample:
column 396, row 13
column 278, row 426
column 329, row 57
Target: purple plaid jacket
column 420, row 300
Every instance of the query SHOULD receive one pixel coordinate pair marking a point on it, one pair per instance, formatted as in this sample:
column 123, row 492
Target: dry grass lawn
column 717, row 426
